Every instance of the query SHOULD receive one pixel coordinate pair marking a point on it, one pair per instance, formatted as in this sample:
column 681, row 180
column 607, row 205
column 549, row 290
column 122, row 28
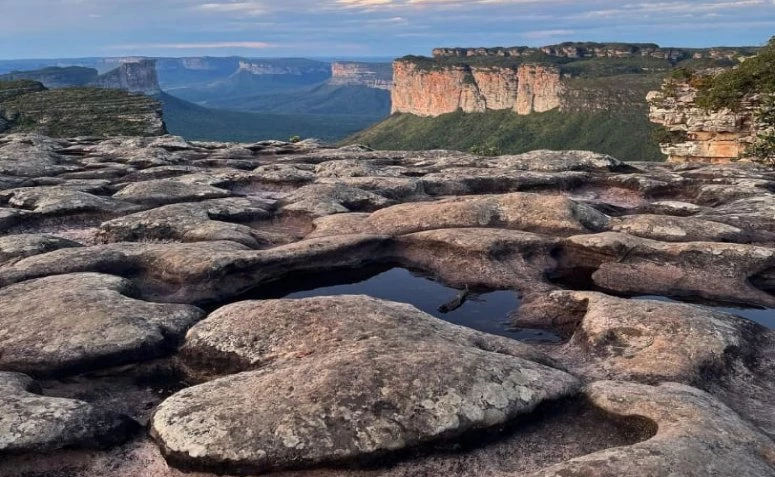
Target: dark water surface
column 763, row 316
column 487, row 311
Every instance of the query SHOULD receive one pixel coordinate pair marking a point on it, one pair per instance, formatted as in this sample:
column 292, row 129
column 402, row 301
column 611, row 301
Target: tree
column 762, row 150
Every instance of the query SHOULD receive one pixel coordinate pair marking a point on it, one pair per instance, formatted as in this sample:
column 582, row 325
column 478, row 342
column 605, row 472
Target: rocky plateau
column 135, row 339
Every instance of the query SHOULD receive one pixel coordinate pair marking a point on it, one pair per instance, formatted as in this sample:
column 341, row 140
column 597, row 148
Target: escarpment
column 433, row 92
column 135, row 77
column 27, row 106
column 568, row 77
column 371, row 75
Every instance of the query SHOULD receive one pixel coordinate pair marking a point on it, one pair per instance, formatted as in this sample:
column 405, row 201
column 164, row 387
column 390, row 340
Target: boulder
column 162, row 192
column 71, row 323
column 209, row 220
column 697, row 436
column 14, row 247
column 709, row 270
column 677, row 229
column 56, row 201
column 330, row 389
column 30, row 422
column 518, row 211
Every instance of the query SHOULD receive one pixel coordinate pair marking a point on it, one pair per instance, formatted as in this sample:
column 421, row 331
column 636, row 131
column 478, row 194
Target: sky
column 366, row 28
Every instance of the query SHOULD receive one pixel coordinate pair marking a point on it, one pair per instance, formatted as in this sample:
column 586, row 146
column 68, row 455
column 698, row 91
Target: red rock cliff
column 434, row 91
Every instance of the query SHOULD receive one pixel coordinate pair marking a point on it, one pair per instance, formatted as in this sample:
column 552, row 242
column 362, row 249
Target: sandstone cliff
column 371, row 75
column 600, row 50
column 697, row 134
column 435, row 91
column 135, row 77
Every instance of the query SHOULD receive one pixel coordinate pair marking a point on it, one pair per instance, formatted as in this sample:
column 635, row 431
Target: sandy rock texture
column 134, row 275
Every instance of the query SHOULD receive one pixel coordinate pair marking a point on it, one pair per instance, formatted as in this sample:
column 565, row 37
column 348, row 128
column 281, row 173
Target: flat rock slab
column 30, row 422
column 697, row 436
column 336, row 385
column 163, row 192
column 678, row 229
column 14, row 247
column 57, row 200
column 83, row 321
column 529, row 212
column 208, row 220
column 248, row 335
column 709, row 270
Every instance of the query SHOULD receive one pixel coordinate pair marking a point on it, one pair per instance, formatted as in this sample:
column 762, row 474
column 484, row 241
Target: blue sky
column 263, row 28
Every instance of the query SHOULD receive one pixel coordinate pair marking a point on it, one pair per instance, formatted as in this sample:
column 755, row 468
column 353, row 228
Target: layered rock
column 435, row 91
column 135, row 77
column 371, row 75
column 598, row 50
column 702, row 135
column 28, row 106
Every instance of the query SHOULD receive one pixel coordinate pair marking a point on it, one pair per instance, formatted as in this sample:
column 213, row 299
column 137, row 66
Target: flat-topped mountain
column 28, row 106
column 588, row 95
column 371, row 75
column 579, row 50
column 135, row 77
column 56, row 77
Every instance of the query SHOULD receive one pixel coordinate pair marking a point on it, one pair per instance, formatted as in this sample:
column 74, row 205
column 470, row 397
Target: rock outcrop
column 371, row 75
column 599, row 50
column 135, row 77
column 27, row 106
column 182, row 307
column 435, row 91
column 701, row 135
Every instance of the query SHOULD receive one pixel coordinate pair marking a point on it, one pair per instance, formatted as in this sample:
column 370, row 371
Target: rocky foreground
column 128, row 346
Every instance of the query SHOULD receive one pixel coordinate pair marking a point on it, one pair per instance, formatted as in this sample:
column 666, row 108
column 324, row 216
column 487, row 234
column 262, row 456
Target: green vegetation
column 589, row 67
column 322, row 99
column 728, row 89
column 198, row 123
column 626, row 136
column 56, row 77
column 71, row 112
column 763, row 148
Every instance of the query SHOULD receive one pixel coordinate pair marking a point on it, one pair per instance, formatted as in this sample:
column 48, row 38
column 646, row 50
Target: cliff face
column 433, row 92
column 136, row 77
column 276, row 68
column 701, row 136
column 371, row 75
column 56, row 77
column 599, row 50
column 27, row 106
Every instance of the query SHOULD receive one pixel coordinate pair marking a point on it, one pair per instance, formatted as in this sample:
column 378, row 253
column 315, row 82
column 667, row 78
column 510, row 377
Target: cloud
column 242, row 8
column 380, row 27
column 253, row 45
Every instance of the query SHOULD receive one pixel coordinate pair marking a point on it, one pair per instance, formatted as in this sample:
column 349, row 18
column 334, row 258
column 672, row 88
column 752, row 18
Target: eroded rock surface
column 112, row 249
column 30, row 422
column 330, row 389
column 83, row 321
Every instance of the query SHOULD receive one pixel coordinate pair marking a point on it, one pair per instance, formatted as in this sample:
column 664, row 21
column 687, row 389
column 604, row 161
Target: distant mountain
column 55, row 77
column 251, row 78
column 320, row 99
column 136, row 77
column 284, row 97
column 199, row 123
